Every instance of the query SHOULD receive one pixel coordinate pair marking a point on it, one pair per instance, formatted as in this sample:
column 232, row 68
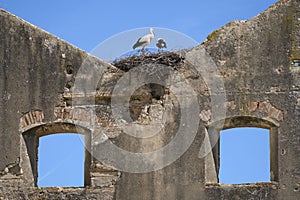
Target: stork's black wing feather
column 139, row 43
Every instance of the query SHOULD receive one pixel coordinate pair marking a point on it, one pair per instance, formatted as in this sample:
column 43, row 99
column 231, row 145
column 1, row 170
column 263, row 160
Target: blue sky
column 245, row 155
column 61, row 160
column 88, row 23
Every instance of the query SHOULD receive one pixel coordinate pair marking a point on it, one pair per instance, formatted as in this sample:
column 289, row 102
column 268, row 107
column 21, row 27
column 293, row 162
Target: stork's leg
column 140, row 51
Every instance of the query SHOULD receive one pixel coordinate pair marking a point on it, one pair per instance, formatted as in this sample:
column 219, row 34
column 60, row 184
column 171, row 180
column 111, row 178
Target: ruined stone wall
column 255, row 59
column 37, row 72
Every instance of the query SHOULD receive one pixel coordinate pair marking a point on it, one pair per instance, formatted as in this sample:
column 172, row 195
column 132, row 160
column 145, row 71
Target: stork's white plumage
column 145, row 40
column 161, row 43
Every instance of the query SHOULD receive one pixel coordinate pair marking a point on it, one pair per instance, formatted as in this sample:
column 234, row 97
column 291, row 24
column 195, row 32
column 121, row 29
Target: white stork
column 161, row 43
column 144, row 41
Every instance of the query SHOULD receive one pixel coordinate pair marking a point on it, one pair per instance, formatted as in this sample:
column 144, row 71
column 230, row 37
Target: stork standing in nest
column 160, row 44
column 144, row 41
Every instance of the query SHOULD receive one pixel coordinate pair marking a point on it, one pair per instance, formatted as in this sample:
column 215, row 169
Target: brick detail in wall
column 31, row 119
column 254, row 106
column 72, row 114
column 268, row 108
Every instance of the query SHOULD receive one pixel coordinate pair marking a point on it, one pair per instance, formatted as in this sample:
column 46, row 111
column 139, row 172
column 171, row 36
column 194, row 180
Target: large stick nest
column 172, row 59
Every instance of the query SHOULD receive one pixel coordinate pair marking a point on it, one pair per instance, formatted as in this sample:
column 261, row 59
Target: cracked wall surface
column 255, row 59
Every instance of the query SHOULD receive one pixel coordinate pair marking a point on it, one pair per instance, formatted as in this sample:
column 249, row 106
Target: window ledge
column 272, row 184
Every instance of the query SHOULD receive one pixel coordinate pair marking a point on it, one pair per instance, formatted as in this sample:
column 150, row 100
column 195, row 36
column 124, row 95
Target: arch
column 31, row 139
column 242, row 121
column 214, row 129
column 57, row 127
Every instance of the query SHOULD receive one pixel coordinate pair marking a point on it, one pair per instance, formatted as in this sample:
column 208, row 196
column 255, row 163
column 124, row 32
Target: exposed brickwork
column 205, row 115
column 72, row 114
column 268, row 108
column 31, row 119
column 265, row 107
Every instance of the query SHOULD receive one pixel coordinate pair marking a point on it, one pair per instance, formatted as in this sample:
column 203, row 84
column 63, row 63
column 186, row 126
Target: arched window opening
column 58, row 155
column 244, row 155
column 244, row 150
column 61, row 159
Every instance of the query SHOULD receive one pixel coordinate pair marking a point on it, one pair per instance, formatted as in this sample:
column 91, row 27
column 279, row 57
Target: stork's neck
column 152, row 32
column 152, row 36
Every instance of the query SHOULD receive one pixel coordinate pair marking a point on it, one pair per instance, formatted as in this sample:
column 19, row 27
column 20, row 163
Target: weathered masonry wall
column 37, row 72
column 257, row 60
